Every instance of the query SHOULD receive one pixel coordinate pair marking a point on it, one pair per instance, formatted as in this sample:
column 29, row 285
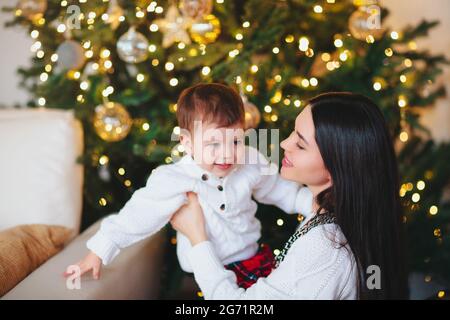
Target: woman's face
column 302, row 160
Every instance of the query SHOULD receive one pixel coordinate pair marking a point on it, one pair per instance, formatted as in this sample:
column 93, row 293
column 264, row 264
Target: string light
column 103, row 160
column 318, row 9
column 105, row 53
column 107, row 64
column 41, row 101
column 305, row 83
column 152, row 6
column 102, row 201
column 43, row 77
column 433, row 210
column 289, row 38
column 173, row 82
column 84, row 85
column 370, row 39
column 153, row 27
column 394, row 35
column 36, row 46
column 87, row 45
column 34, row 34
column 169, row 66
column 107, row 91
column 275, row 50
column 403, row 136
column 233, row 53
column 420, row 185
column 206, row 70
column 303, row 44
column 121, row 171
column 145, row 126
column 338, row 43
column 61, row 28
column 140, row 77
column 388, row 52
column 89, row 54
column 325, row 57
column 402, row 101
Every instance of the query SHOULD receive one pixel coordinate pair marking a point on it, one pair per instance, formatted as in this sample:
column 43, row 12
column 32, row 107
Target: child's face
column 216, row 149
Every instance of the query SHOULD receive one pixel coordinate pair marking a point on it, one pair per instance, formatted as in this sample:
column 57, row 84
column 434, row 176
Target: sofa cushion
column 41, row 182
column 24, row 248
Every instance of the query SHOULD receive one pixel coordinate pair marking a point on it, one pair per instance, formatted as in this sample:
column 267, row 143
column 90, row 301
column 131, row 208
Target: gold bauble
column 132, row 46
column 364, row 23
column 206, row 30
column 32, row 9
column 252, row 114
column 112, row 122
column 195, row 9
column 360, row 3
column 70, row 55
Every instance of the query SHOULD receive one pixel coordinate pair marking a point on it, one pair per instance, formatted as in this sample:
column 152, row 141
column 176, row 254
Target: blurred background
column 119, row 66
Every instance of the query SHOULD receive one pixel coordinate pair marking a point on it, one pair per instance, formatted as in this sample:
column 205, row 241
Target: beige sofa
column 41, row 183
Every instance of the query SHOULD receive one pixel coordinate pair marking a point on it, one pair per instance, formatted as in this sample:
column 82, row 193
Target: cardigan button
column 204, row 177
column 220, row 188
column 222, row 207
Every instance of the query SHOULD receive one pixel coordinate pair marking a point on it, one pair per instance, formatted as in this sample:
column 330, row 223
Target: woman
column 350, row 246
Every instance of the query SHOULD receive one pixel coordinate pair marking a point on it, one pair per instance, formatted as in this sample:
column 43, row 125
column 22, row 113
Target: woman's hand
column 190, row 221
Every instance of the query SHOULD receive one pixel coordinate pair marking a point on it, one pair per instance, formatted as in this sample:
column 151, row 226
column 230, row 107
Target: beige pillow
column 26, row 247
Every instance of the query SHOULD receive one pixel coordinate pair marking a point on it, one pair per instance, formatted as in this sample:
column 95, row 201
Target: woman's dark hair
column 358, row 152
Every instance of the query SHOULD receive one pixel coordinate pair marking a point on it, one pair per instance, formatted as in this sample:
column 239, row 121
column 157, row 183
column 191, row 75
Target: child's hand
column 90, row 262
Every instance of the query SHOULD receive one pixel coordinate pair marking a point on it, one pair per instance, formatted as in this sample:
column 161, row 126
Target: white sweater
column 314, row 268
column 226, row 202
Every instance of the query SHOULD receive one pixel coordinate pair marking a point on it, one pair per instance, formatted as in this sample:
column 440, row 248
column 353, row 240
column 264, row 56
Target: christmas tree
column 120, row 65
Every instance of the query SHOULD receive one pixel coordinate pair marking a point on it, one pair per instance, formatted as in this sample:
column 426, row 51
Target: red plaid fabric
column 250, row 270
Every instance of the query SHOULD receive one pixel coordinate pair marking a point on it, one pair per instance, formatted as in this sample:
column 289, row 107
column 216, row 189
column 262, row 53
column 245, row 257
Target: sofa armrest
column 134, row 273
